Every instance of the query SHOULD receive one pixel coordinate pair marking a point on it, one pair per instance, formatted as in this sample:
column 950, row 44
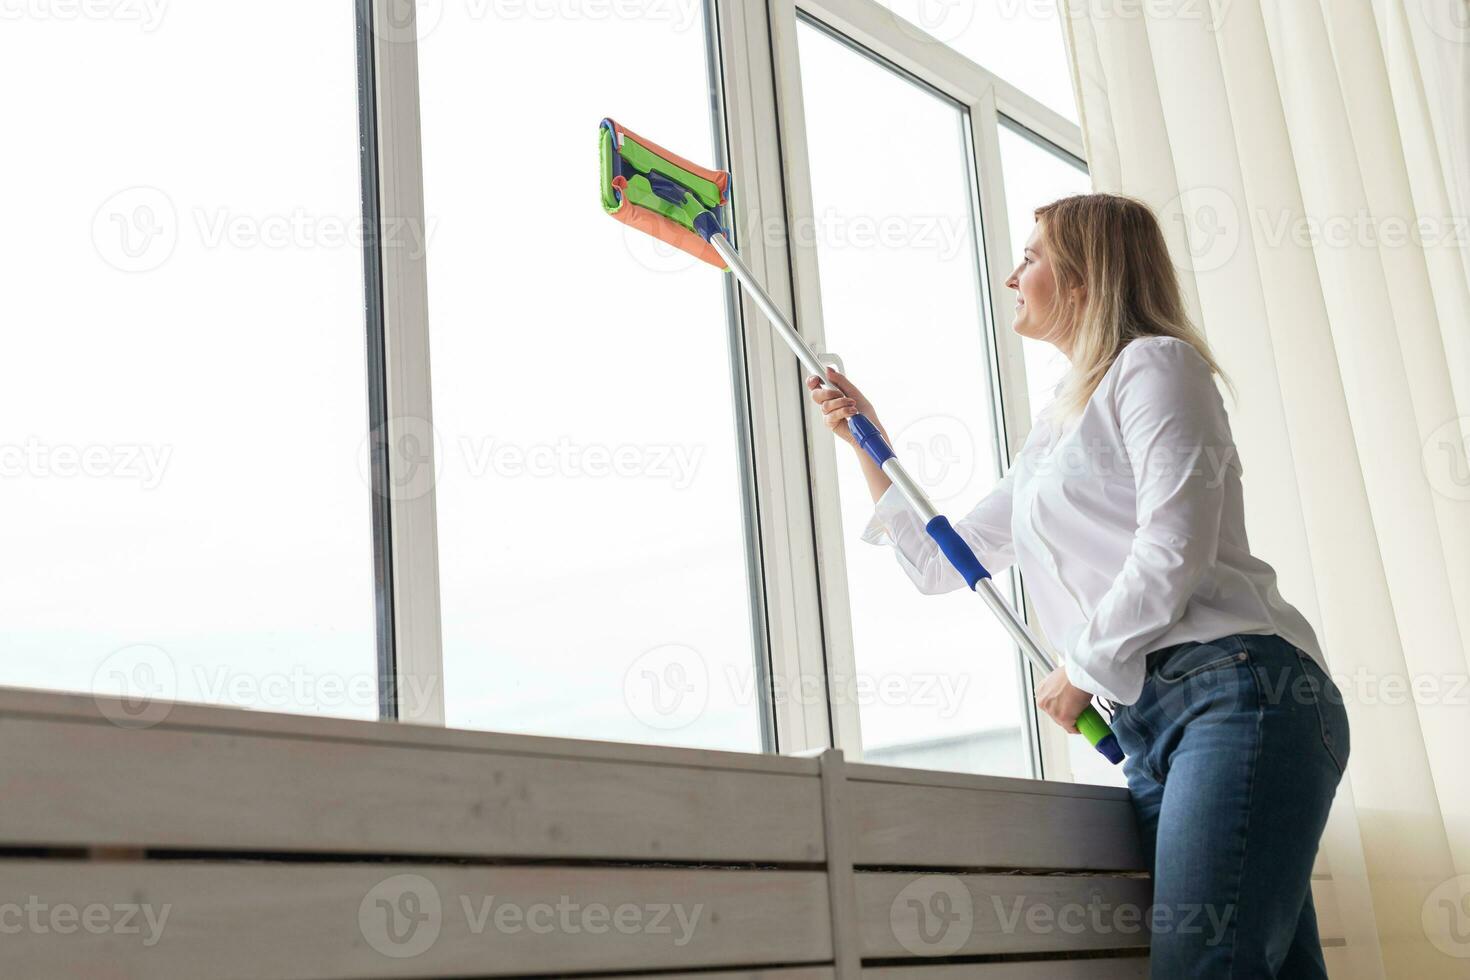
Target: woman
column 1123, row 511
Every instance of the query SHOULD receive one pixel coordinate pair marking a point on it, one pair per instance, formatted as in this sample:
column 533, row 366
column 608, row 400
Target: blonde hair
column 1113, row 247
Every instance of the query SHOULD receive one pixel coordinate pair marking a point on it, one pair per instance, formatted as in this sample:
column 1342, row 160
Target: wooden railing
column 214, row 842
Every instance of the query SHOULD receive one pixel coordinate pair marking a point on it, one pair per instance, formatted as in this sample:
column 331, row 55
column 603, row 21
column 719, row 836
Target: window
column 592, row 548
column 182, row 506
column 938, row 684
column 1019, row 40
column 619, row 538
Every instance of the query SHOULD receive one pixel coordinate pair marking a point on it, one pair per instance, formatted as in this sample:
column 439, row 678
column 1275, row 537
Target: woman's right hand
column 838, row 406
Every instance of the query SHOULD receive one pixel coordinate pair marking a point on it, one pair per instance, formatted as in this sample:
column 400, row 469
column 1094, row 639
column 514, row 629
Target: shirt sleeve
column 1177, row 439
column 986, row 528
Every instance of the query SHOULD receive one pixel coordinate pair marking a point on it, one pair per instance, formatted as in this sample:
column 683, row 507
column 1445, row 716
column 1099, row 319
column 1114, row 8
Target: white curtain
column 1310, row 161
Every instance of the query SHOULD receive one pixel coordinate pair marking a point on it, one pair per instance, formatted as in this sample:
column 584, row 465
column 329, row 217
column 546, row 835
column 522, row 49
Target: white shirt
column 1128, row 528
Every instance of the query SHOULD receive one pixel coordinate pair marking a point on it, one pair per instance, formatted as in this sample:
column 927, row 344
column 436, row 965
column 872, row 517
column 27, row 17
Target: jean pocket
column 1331, row 713
column 1200, row 658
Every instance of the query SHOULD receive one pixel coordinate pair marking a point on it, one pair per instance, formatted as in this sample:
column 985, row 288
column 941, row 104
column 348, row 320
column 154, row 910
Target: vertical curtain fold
column 1446, row 236
column 1440, row 34
column 1290, row 149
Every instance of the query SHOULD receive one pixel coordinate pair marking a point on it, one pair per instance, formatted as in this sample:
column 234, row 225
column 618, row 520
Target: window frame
column 986, row 98
column 794, row 540
column 795, row 547
column 410, row 647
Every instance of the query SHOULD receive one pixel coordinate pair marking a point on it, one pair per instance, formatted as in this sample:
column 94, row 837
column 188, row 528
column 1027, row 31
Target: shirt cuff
column 1079, row 676
column 889, row 506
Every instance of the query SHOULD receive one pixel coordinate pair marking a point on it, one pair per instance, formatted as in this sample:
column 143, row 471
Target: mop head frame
column 661, row 193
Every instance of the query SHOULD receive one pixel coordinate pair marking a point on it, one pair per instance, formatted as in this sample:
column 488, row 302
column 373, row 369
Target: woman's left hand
column 1057, row 697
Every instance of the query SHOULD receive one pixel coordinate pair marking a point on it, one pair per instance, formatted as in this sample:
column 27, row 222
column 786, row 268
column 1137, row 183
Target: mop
column 665, row 195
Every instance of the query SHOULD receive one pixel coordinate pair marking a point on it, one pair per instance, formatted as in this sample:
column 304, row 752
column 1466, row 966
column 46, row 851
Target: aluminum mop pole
column 954, row 547
column 672, row 198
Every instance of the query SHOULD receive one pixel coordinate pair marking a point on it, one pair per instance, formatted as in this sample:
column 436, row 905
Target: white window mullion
column 774, row 388
column 1009, row 370
column 821, row 448
column 407, row 434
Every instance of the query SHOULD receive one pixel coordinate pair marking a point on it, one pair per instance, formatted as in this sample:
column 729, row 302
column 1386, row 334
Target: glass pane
column 591, row 535
column 183, row 384
column 1019, row 40
column 902, row 304
column 1035, row 174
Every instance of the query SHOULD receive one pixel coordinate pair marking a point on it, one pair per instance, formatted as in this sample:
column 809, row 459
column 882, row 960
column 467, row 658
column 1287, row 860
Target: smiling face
column 1036, row 294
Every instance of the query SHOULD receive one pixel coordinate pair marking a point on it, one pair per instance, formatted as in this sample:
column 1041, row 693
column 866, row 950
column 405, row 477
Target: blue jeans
column 1235, row 749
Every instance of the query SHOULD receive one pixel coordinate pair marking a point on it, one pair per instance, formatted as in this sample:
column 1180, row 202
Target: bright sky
column 184, row 379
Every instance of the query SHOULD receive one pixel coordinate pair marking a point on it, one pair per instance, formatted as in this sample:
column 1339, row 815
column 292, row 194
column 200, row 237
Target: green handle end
column 1099, row 735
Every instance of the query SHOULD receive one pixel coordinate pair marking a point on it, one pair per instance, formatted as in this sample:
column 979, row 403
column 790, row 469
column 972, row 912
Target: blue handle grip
column 948, row 539
column 956, row 550
column 869, row 438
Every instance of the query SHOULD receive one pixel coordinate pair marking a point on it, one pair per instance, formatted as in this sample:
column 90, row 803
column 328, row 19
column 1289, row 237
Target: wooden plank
column 956, row 915
column 1329, row 919
column 116, row 853
column 993, row 907
column 80, row 783
column 778, row 973
column 201, row 920
column 29, row 702
column 1110, row 968
column 1341, row 963
column 916, row 826
column 900, row 775
column 841, row 884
